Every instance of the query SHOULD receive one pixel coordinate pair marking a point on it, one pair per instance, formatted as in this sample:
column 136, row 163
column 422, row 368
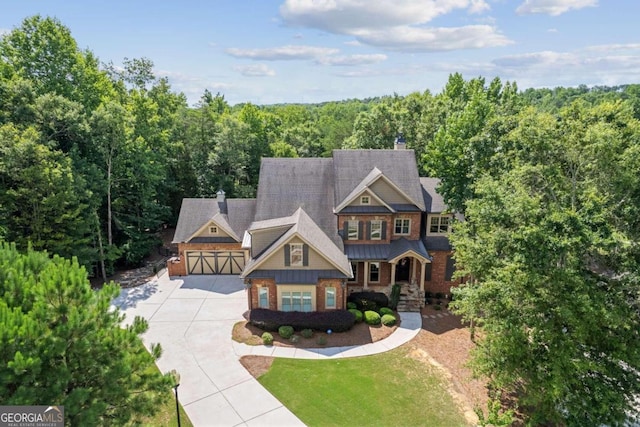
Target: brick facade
column 414, row 231
column 438, row 274
column 319, row 288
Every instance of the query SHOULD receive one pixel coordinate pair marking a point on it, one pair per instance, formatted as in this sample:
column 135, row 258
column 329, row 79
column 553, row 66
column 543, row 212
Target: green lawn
column 388, row 389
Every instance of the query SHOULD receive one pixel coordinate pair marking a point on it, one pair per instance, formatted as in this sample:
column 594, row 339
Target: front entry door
column 402, row 270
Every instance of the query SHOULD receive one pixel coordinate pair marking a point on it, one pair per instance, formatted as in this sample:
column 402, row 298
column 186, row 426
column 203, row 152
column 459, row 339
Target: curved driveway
column 192, row 317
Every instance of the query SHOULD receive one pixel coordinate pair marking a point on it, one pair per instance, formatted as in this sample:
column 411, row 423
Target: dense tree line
column 95, row 159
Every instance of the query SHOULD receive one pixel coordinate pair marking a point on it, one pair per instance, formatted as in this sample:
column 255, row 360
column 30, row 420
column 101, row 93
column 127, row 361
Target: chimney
column 220, row 196
column 400, row 143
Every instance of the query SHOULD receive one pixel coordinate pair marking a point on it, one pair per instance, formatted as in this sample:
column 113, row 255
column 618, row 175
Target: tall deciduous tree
column 554, row 268
column 60, row 342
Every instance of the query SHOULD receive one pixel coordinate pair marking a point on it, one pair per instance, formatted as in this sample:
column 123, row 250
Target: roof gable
column 194, row 214
column 304, row 228
column 355, row 168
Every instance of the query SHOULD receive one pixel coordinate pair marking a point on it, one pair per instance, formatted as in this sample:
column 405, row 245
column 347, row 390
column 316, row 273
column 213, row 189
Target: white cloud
column 351, row 60
column 343, row 16
column 290, row 52
column 614, row 46
column 552, row 7
column 394, row 24
column 433, row 39
column 353, row 43
column 552, row 30
column 255, row 70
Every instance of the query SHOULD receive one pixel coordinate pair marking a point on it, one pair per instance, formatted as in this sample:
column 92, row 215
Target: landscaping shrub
column 388, row 320
column 322, row 340
column 377, row 298
column 351, row 305
column 285, row 331
column 371, row 317
column 267, row 338
column 395, row 296
column 356, row 313
column 270, row 320
column 439, row 295
column 307, row 333
column 385, row 310
column 294, row 338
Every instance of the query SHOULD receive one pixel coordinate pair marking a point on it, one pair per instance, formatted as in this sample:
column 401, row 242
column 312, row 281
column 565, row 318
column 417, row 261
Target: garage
column 215, row 262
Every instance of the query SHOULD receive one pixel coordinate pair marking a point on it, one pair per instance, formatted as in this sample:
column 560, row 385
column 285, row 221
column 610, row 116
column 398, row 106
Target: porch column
column 422, row 268
column 413, row 268
column 366, row 274
column 393, row 273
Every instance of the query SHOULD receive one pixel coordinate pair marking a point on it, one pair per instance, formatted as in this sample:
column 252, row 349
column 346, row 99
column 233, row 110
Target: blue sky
column 321, row 50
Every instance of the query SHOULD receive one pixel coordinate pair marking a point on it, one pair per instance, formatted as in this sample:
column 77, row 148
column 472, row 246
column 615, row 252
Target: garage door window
column 263, row 297
column 296, row 301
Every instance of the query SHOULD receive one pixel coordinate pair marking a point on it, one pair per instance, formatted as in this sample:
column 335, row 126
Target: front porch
column 377, row 267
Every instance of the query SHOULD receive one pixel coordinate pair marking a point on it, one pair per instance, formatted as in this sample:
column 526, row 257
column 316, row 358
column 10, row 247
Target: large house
column 321, row 228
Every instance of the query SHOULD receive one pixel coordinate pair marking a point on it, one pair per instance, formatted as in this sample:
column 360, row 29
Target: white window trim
column 335, row 297
column 213, row 229
column 263, row 290
column 365, row 200
column 439, row 217
column 356, row 229
column 293, row 249
column 371, row 264
column 379, row 224
column 355, row 271
column 408, row 226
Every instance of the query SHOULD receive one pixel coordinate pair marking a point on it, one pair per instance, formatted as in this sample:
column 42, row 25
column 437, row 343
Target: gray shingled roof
column 305, row 228
column 399, row 166
column 240, row 214
column 288, row 184
column 194, row 213
column 433, row 201
column 437, row 243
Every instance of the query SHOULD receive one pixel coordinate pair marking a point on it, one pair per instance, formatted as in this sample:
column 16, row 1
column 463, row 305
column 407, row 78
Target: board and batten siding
column 388, row 193
column 260, row 240
column 277, row 260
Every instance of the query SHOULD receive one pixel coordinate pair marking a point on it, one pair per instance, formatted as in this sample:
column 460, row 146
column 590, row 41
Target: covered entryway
column 215, row 262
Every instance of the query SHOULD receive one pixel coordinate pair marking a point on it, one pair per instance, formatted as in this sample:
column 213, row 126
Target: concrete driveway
column 192, row 318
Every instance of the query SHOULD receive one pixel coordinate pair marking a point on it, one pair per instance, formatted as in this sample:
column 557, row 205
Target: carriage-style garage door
column 215, row 262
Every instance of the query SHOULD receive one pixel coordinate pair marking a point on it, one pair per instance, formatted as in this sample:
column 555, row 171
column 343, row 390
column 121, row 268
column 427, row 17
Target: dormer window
column 439, row 224
column 213, row 229
column 364, row 200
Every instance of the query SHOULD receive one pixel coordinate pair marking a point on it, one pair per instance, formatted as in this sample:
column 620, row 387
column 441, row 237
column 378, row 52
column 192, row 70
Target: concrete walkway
column 192, row 318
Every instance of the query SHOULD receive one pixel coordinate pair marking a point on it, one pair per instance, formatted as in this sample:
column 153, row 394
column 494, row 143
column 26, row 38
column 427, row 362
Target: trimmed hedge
column 307, row 333
column 371, row 317
column 388, row 320
column 385, row 310
column 285, row 332
column 271, row 320
column 356, row 313
column 267, row 338
column 368, row 300
column 351, row 305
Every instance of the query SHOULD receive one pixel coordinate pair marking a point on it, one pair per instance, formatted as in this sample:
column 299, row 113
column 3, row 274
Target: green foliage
column 495, row 417
column 61, row 342
column 267, row 338
column 395, row 296
column 357, row 313
column 385, row 310
column 371, row 317
column 285, row 331
column 388, row 320
column 322, row 340
column 307, row 333
column 351, row 305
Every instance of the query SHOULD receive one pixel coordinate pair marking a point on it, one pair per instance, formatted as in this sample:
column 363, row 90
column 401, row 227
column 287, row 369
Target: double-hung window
column 374, row 272
column 439, row 224
column 376, row 230
column 402, row 226
column 330, row 298
column 352, row 230
column 263, row 297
